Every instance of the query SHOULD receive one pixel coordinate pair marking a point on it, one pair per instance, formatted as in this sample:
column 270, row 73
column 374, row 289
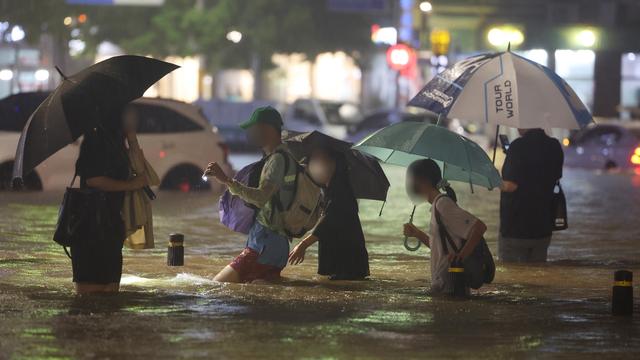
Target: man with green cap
column 267, row 247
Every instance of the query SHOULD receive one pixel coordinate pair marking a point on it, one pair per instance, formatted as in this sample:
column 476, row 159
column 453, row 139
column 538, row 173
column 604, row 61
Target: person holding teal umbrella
column 433, row 155
column 463, row 230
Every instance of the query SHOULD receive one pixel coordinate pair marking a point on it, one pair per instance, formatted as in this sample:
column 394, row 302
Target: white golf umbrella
column 504, row 89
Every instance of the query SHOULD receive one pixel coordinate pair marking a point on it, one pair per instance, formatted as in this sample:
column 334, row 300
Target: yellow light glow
column 637, row 152
column 566, row 141
column 503, row 35
column 635, row 159
column 586, row 38
column 67, row 21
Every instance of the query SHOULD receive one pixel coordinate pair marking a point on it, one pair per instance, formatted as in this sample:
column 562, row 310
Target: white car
column 604, row 145
column 175, row 136
column 330, row 117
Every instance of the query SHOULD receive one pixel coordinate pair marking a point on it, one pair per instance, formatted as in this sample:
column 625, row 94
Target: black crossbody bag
column 79, row 206
column 479, row 267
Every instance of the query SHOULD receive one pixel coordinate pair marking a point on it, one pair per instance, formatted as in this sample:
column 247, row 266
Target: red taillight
column 225, row 151
column 635, row 157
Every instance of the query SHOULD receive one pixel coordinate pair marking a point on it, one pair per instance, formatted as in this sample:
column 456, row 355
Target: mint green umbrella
column 459, row 158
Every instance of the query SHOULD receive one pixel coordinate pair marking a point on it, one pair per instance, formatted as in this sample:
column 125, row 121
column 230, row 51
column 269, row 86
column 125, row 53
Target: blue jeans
column 272, row 247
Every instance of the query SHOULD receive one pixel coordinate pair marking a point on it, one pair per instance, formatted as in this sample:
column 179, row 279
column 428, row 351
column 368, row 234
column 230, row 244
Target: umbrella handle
column 406, row 238
column 409, row 247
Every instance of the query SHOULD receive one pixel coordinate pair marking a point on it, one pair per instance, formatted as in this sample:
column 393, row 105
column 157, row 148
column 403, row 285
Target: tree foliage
column 189, row 27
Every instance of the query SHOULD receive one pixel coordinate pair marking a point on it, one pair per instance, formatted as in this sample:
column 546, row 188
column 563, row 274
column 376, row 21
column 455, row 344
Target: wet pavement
column 559, row 309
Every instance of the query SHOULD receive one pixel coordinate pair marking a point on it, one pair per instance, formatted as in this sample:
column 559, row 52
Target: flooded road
column 560, row 309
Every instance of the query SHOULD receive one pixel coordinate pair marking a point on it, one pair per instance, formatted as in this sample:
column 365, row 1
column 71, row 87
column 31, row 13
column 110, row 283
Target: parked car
column 381, row 118
column 227, row 116
column 330, row 117
column 175, row 136
column 604, row 145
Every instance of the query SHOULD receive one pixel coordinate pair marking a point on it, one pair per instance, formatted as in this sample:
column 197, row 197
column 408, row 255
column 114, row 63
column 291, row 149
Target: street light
column 234, row 36
column 426, row 6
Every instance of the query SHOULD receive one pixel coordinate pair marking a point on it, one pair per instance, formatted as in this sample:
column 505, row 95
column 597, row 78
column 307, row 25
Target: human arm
column 473, row 239
column 296, row 256
column 411, row 230
column 511, row 169
column 461, row 224
column 508, row 186
column 271, row 178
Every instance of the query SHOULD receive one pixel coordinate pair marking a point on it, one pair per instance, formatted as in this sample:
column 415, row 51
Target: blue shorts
column 273, row 248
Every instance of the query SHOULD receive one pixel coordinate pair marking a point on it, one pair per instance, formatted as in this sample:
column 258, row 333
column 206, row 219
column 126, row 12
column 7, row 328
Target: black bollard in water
column 622, row 294
column 175, row 252
column 456, row 271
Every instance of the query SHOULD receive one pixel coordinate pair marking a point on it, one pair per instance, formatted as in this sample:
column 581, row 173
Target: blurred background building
column 373, row 53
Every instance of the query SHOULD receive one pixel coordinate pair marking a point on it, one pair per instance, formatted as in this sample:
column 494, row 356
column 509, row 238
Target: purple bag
column 235, row 213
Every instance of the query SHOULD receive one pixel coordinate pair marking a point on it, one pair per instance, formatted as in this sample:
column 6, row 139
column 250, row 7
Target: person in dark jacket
column 342, row 254
column 531, row 169
column 97, row 258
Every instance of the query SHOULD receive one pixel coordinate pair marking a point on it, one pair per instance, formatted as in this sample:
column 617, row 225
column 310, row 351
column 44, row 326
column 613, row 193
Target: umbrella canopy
column 459, row 158
column 71, row 108
column 15, row 109
column 366, row 176
column 504, row 89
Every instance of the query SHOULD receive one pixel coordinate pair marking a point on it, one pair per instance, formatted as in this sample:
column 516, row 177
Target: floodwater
column 559, row 309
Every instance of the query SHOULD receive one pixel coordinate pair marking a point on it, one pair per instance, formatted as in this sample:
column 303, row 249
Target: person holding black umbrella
column 342, row 254
column 91, row 103
column 97, row 256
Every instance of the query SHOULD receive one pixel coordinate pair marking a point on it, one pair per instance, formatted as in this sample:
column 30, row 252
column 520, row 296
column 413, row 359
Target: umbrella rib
column 466, row 151
column 390, row 155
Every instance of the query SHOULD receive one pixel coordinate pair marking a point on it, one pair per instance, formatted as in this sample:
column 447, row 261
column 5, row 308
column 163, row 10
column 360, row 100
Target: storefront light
column 6, row 74
column 501, row 36
column 17, row 34
column 384, row 35
column 586, row 38
column 41, row 74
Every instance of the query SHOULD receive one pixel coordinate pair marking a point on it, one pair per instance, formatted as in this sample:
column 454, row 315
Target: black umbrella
column 15, row 109
column 365, row 173
column 71, row 108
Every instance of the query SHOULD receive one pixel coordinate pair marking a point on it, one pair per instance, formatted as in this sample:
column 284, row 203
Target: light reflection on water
column 559, row 307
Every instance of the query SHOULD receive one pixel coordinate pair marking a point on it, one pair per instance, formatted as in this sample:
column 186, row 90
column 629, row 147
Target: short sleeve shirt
column 458, row 223
column 98, row 157
column 534, row 162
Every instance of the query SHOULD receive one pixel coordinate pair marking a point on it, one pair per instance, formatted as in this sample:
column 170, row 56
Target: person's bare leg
column 112, row 287
column 228, row 274
column 84, row 288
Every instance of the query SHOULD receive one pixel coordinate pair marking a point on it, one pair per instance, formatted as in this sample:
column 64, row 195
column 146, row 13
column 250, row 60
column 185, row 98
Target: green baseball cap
column 265, row 115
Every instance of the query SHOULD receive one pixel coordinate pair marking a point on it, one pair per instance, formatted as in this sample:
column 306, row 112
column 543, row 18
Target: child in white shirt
column 425, row 180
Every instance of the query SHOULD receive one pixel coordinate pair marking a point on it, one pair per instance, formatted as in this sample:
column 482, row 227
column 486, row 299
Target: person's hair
column 428, row 170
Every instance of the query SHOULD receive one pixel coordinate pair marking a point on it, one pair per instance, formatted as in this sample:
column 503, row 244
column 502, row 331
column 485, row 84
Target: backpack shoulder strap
column 445, row 237
column 281, row 202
